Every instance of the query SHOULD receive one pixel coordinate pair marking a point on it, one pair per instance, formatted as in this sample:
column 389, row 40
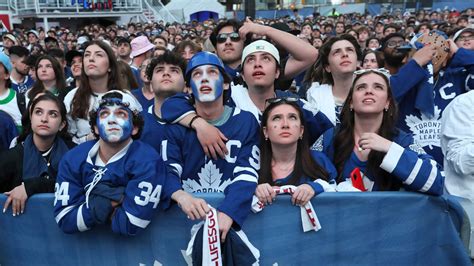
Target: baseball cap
column 11, row 37
column 458, row 33
column 82, row 39
column 71, row 54
column 34, row 32
column 5, row 61
column 121, row 40
column 260, row 46
column 140, row 45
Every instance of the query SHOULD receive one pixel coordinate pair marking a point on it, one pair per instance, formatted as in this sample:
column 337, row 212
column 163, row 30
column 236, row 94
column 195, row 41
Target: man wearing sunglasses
column 229, row 36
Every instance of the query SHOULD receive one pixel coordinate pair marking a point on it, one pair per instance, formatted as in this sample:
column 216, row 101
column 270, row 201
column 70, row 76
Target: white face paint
column 207, row 83
column 114, row 123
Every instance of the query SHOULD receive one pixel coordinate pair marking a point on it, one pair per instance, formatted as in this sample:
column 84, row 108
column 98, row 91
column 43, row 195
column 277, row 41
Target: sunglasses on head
column 289, row 99
column 222, row 38
column 382, row 71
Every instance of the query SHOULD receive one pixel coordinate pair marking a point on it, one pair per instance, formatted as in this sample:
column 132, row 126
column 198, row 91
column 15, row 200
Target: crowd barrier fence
column 377, row 228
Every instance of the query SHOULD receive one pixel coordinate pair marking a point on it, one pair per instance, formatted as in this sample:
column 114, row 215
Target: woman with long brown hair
column 100, row 74
column 369, row 150
column 331, row 75
column 285, row 157
column 50, row 77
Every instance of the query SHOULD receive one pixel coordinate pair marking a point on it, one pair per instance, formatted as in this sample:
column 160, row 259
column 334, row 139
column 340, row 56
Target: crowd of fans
column 348, row 102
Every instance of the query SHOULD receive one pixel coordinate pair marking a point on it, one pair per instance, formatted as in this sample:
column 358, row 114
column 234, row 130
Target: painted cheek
column 195, row 88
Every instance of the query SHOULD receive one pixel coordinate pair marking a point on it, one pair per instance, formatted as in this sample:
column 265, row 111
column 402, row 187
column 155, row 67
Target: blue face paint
column 114, row 123
column 207, row 83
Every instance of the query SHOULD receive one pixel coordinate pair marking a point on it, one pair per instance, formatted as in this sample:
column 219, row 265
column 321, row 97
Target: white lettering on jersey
column 164, row 146
column 425, row 130
column 149, row 194
column 61, row 193
column 443, row 94
column 229, row 145
column 254, row 160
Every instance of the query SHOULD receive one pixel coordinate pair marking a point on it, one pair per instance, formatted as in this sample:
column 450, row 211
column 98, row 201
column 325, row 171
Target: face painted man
column 103, row 181
column 114, row 122
column 235, row 175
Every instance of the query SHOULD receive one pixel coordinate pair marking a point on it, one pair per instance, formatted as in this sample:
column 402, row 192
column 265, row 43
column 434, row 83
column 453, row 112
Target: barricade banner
column 376, row 228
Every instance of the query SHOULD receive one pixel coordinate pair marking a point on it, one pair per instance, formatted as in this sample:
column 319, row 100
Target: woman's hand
column 17, row 197
column 372, row 141
column 302, row 195
column 212, row 140
column 225, row 222
column 265, row 193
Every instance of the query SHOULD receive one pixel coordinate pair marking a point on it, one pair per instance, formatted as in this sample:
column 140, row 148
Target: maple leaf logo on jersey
column 209, row 180
column 425, row 130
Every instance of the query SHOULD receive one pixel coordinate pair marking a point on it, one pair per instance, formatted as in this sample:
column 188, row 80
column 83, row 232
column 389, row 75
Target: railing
column 65, row 7
column 156, row 7
column 375, row 228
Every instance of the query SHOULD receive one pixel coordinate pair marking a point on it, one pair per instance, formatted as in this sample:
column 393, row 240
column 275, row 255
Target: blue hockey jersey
column 236, row 175
column 178, row 106
column 136, row 172
column 144, row 102
column 405, row 160
column 406, row 85
column 153, row 130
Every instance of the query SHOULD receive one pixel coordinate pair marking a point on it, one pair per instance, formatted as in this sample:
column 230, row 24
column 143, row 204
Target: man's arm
column 142, row 194
column 302, row 54
column 178, row 109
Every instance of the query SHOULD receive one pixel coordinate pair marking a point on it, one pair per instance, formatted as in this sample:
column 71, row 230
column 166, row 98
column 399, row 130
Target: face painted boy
column 192, row 171
column 115, row 179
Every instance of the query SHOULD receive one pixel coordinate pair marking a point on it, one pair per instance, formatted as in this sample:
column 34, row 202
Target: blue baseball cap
column 5, row 60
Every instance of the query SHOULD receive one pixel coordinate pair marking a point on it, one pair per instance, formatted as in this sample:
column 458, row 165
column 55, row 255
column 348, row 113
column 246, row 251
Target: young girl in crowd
column 372, row 59
column 49, row 77
column 99, row 75
column 368, row 141
column 332, row 75
column 285, row 155
column 31, row 166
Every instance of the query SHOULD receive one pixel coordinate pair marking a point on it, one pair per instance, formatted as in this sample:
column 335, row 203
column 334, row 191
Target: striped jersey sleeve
column 416, row 169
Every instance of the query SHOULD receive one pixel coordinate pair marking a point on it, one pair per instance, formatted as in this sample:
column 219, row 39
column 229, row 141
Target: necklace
column 47, row 156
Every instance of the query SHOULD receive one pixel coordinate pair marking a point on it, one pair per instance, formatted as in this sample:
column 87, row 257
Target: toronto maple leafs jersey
column 235, row 176
column 405, row 160
column 153, row 130
column 452, row 81
column 178, row 106
column 137, row 169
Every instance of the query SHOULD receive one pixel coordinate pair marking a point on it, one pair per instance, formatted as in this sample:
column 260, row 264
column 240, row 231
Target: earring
column 351, row 109
column 301, row 137
column 386, row 109
column 266, row 138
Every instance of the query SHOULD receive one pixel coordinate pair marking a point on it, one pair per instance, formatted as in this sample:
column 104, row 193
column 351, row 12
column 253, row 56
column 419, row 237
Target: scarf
column 309, row 219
